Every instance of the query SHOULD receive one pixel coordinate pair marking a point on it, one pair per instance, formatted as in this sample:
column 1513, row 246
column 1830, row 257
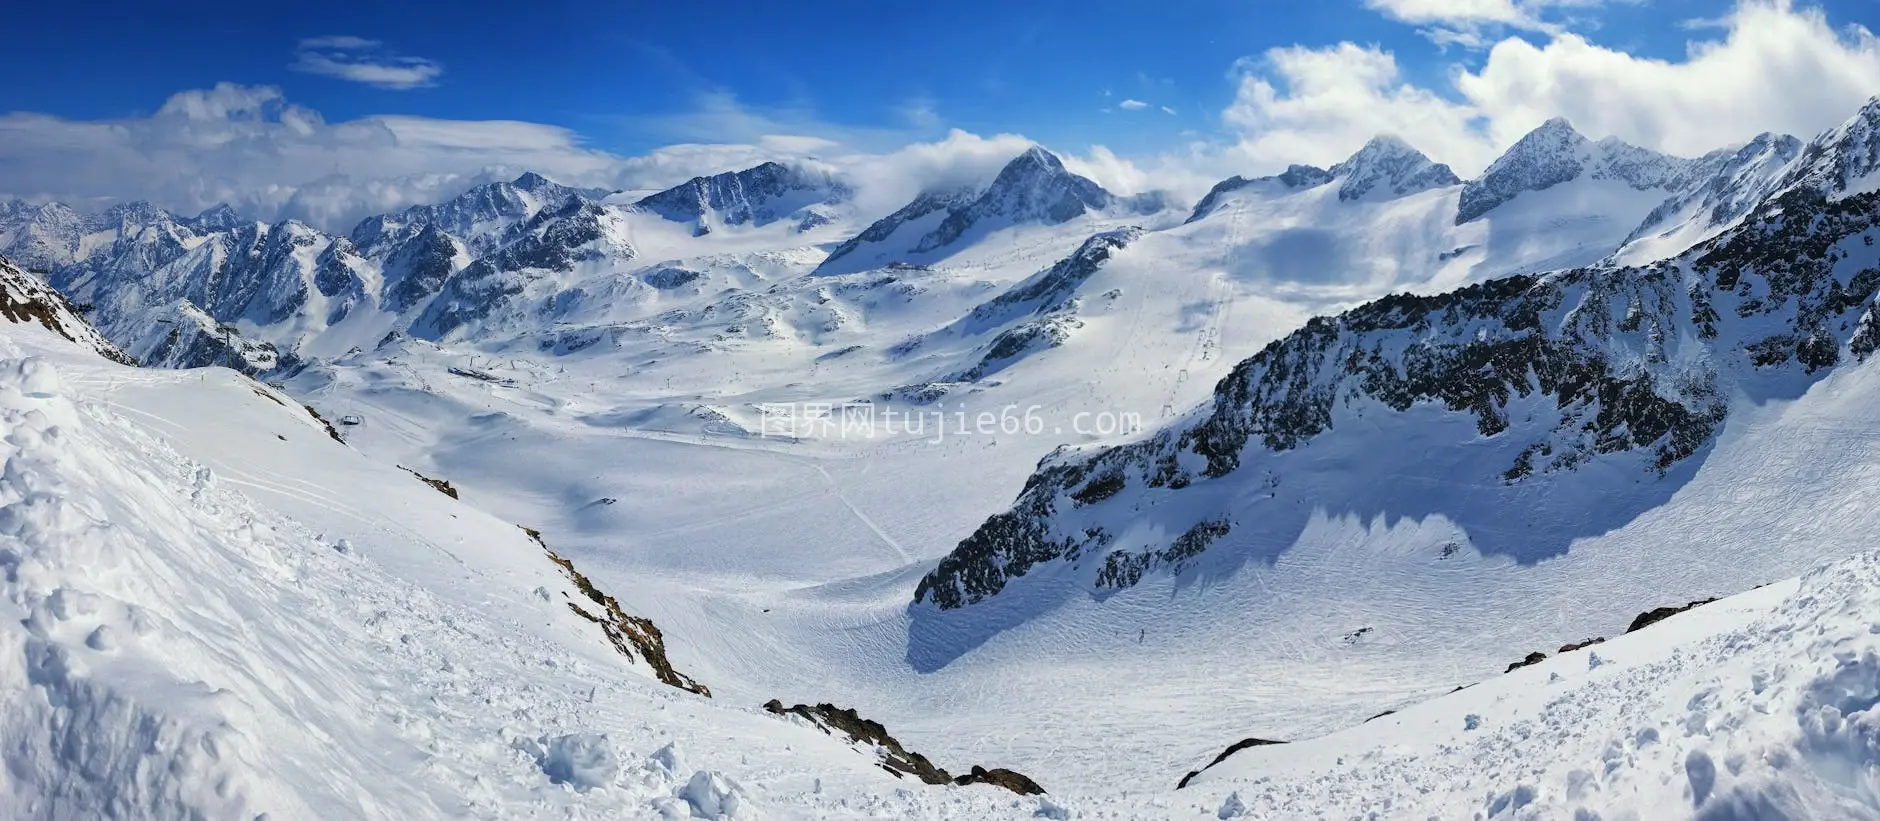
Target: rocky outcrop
column 755, row 196
column 1237, row 746
column 927, row 204
column 635, row 637
column 895, row 758
column 1295, row 177
column 1387, row 167
column 1658, row 614
column 26, row 298
column 1035, row 187
column 1635, row 362
column 1554, row 154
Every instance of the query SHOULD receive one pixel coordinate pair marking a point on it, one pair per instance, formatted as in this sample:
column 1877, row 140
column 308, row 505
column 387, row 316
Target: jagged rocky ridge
column 1294, row 177
column 754, row 196
column 896, row 759
column 1635, row 361
column 26, row 298
column 1034, row 188
column 1391, row 168
column 1554, row 154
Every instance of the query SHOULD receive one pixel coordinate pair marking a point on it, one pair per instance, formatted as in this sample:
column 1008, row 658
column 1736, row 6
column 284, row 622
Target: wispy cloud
column 1471, row 23
column 1132, row 105
column 1167, row 110
column 364, row 61
column 920, row 113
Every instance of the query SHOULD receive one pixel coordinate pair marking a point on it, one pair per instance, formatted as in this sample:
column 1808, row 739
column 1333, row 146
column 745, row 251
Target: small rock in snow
column 1471, row 721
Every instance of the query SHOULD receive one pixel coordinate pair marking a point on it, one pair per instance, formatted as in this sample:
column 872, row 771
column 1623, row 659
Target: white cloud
column 1132, row 105
column 887, row 181
column 1771, row 67
column 363, row 61
column 272, row 159
column 1777, row 68
column 920, row 113
column 1167, row 110
column 1316, row 106
column 248, row 146
column 1468, row 22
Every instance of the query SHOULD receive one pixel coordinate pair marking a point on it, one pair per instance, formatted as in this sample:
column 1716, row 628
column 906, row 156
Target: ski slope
column 244, row 625
column 215, row 610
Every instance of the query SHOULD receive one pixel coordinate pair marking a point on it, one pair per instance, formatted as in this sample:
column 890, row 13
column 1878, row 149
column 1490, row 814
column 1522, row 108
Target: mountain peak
column 1554, row 125
column 218, row 217
column 757, row 195
column 531, row 181
column 1037, row 155
column 1846, row 158
column 1033, row 187
column 1544, row 157
column 1391, row 166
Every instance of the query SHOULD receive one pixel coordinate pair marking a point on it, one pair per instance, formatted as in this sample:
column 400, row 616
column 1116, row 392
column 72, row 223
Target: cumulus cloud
column 1772, row 66
column 888, row 180
column 272, row 159
column 1768, row 66
column 1777, row 68
column 1308, row 105
column 1132, row 105
column 363, row 61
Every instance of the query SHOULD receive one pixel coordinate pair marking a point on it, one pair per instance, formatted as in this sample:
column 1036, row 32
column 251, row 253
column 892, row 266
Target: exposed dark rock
column 1233, row 748
column 1658, row 614
column 754, row 196
column 1581, row 645
column 334, row 432
column 26, row 298
column 1630, row 360
column 899, row 760
column 632, row 636
column 1533, row 658
column 438, row 485
column 1294, row 177
column 1008, row 779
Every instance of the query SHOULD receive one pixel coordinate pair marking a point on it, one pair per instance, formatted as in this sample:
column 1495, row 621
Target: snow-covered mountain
column 1569, row 382
column 1033, row 189
column 1555, row 154
column 755, row 196
column 1388, row 167
column 1627, row 382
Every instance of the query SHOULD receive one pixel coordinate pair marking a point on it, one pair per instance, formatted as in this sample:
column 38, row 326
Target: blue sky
column 331, row 110
column 626, row 75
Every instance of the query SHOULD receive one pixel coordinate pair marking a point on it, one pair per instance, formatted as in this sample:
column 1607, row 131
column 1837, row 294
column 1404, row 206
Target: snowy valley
column 547, row 501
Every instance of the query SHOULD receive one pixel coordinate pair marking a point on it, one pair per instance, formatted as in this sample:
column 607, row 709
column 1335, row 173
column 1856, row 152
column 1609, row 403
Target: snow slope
column 1761, row 706
column 216, row 610
column 602, row 372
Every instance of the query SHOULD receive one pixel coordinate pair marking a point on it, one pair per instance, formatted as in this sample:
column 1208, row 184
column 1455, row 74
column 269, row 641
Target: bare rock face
column 896, row 758
column 26, row 298
column 1626, row 364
